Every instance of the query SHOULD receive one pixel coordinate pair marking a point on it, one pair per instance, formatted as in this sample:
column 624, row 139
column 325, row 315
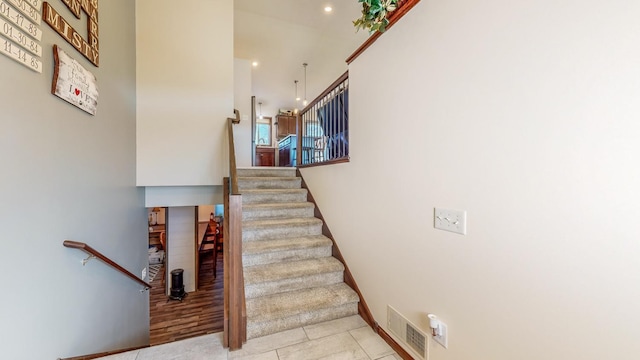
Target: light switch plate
column 450, row 220
column 144, row 274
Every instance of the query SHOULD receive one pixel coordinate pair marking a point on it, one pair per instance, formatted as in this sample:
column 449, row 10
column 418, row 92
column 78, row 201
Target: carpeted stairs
column 291, row 279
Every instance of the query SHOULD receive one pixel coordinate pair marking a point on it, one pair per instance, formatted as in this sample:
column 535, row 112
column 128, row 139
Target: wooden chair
column 220, row 235
column 210, row 245
column 163, row 242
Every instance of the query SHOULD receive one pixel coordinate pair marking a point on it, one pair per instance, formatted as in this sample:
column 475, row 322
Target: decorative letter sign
column 90, row 49
column 73, row 83
column 19, row 21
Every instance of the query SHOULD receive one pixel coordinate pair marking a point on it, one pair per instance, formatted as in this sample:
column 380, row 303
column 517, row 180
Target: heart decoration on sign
column 77, row 92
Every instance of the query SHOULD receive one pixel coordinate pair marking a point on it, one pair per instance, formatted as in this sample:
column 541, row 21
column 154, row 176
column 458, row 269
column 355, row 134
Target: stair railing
column 95, row 254
column 235, row 313
column 323, row 127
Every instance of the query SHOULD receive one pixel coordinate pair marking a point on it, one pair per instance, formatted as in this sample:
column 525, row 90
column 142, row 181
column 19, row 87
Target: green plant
column 374, row 15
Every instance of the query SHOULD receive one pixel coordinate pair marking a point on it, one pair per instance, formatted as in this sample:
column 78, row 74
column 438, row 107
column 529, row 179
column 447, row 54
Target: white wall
column 78, row 171
column 182, row 195
column 185, row 91
column 204, row 212
column 242, row 102
column 524, row 114
column 181, row 245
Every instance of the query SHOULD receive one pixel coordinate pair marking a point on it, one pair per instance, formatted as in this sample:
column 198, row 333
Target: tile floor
column 343, row 339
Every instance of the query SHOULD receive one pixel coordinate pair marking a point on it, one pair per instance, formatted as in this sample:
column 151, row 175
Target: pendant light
column 261, row 117
column 297, row 97
column 305, row 102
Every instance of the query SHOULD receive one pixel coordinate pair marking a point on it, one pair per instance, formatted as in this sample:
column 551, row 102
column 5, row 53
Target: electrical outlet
column 450, row 220
column 144, row 274
column 441, row 335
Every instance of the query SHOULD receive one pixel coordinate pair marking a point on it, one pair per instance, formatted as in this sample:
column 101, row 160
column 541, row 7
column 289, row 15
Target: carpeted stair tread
column 280, row 222
column 254, row 196
column 287, row 249
column 267, row 172
column 265, row 182
column 266, row 280
column 290, row 269
column 296, row 302
column 303, row 242
column 277, row 210
column 258, row 230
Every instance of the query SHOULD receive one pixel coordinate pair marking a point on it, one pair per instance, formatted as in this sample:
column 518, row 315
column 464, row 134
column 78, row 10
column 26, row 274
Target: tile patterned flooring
column 343, row 339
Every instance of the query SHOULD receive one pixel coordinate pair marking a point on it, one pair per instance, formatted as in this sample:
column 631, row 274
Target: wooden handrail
column 403, row 7
column 235, row 313
column 233, row 172
column 95, row 253
column 103, row 354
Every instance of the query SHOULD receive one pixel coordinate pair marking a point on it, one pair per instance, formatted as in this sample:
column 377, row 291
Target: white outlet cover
column 450, row 220
column 144, row 274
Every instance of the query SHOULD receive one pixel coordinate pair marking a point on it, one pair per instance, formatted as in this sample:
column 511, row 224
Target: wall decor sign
column 19, row 20
column 21, row 33
column 9, row 31
column 89, row 48
column 26, row 8
column 73, row 83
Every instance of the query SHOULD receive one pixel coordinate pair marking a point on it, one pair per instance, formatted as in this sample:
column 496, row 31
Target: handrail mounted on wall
column 95, row 254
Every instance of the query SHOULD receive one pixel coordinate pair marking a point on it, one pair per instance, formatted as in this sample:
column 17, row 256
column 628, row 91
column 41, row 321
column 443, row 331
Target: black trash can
column 177, row 284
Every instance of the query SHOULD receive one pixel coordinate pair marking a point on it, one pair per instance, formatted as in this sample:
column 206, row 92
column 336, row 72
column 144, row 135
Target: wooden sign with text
column 73, row 83
column 20, row 33
column 89, row 48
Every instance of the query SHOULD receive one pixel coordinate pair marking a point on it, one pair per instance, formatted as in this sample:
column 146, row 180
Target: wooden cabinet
column 287, row 151
column 286, row 125
column 265, row 156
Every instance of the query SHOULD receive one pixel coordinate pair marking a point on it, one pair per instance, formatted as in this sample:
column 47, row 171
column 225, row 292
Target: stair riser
column 286, row 285
column 267, row 172
column 257, row 329
column 286, row 255
column 276, row 232
column 274, row 198
column 258, row 183
column 256, row 214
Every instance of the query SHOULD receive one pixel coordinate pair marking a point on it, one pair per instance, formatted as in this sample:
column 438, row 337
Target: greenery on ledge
column 374, row 15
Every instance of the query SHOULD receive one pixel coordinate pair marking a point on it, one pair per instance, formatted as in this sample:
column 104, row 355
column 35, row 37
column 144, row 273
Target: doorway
column 201, row 311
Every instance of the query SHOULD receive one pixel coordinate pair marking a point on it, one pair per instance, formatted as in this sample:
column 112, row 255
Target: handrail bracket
column 85, row 261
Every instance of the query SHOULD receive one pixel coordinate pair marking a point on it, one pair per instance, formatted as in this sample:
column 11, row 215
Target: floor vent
column 406, row 332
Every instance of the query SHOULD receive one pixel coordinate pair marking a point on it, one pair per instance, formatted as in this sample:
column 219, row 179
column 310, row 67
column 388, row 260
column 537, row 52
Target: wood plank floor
column 199, row 313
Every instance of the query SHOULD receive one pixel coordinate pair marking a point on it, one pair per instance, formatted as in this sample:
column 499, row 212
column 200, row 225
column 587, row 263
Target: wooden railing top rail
column 403, row 7
column 232, row 153
column 329, row 89
column 95, row 253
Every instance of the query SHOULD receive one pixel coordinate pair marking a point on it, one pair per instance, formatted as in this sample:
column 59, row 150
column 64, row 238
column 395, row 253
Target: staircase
column 291, row 279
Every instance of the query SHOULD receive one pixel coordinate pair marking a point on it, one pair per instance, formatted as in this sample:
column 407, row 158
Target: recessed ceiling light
column 328, row 9
column 255, row 63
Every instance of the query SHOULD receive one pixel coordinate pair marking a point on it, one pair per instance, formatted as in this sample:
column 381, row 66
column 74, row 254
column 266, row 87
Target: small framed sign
column 73, row 83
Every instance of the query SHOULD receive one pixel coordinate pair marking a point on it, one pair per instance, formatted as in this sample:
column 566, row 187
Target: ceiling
column 281, row 35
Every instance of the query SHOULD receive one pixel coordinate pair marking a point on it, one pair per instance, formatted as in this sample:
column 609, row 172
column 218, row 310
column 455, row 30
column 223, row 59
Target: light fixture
column 254, row 64
column 261, row 117
column 305, row 102
column 297, row 97
column 328, row 9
